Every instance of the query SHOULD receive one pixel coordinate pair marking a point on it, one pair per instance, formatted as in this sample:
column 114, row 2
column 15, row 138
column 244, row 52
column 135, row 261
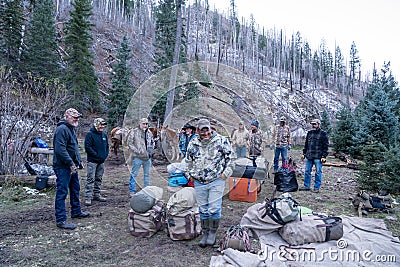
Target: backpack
column 237, row 237
column 312, row 228
column 183, row 219
column 282, row 209
column 148, row 223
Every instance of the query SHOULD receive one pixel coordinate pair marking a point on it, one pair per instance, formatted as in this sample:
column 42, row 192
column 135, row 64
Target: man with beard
column 66, row 161
column 208, row 165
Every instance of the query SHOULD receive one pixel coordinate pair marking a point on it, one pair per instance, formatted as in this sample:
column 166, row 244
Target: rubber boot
column 214, row 224
column 205, row 229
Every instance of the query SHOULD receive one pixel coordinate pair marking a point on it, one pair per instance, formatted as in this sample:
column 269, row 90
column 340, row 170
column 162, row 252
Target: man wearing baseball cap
column 66, row 161
column 97, row 149
column 208, row 159
column 281, row 142
column 315, row 152
column 141, row 144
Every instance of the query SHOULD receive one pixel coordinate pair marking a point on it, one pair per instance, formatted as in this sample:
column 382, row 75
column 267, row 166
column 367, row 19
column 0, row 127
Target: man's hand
column 289, row 147
column 272, row 147
column 323, row 160
column 73, row 169
column 223, row 176
column 303, row 157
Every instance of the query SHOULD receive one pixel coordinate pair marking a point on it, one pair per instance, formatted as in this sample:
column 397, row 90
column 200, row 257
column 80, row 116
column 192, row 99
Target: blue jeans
column 280, row 150
column 209, row 198
column 241, row 151
column 136, row 163
column 318, row 173
column 64, row 182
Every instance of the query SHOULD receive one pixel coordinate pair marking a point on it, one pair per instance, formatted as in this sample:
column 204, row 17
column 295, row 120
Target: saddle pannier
column 253, row 167
column 184, row 225
column 282, row 209
column 148, row 223
column 312, row 228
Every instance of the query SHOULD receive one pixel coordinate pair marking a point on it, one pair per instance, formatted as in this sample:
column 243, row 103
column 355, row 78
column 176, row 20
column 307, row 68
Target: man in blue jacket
column 315, row 152
column 66, row 161
column 97, row 149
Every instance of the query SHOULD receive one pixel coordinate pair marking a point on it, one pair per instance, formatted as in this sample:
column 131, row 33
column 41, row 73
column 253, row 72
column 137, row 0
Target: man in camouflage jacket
column 208, row 161
column 255, row 141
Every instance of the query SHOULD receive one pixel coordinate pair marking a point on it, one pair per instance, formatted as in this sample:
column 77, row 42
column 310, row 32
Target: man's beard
column 75, row 123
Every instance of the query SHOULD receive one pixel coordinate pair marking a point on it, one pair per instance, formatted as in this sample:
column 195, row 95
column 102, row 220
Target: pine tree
column 391, row 170
column 376, row 120
column 166, row 28
column 11, row 32
column 41, row 56
column 343, row 132
column 121, row 89
column 370, row 173
column 326, row 122
column 81, row 80
column 355, row 65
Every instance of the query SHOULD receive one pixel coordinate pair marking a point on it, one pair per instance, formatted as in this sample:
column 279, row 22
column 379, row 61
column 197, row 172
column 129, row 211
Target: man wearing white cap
column 97, row 149
column 208, row 160
column 66, row 161
column 141, row 144
column 315, row 152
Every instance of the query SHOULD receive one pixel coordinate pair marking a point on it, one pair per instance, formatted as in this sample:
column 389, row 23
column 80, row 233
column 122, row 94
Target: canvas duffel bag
column 148, row 223
column 311, row 228
column 184, row 225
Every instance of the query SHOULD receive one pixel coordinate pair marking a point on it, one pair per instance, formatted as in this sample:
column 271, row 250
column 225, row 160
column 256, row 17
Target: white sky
column 372, row 24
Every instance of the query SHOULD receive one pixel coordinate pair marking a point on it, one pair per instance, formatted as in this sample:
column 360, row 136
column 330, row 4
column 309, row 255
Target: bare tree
column 27, row 111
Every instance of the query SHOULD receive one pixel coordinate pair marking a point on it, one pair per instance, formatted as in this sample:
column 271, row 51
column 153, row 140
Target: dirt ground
column 29, row 236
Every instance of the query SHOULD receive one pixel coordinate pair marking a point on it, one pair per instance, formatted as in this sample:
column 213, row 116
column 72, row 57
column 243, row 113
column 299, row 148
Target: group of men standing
column 207, row 155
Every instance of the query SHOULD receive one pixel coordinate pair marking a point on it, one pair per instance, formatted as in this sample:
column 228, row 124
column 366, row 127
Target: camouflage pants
column 94, row 178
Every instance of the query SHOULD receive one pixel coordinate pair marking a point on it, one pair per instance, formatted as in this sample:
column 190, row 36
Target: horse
column 170, row 143
column 116, row 139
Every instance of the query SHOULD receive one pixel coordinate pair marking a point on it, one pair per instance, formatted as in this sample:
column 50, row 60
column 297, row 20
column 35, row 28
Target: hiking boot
column 88, row 202
column 205, row 229
column 303, row 188
column 214, row 224
column 99, row 198
column 83, row 214
column 66, row 225
column 315, row 190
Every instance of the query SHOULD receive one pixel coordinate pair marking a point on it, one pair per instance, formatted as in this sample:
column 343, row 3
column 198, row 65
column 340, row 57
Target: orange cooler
column 243, row 189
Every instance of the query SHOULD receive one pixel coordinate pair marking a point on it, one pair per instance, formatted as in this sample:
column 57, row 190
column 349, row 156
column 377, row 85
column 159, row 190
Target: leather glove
column 303, row 157
column 323, row 160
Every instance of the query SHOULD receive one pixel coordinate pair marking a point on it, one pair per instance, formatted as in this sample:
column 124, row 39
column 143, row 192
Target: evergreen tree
column 121, row 89
column 81, row 80
column 370, row 173
column 355, row 65
column 343, row 131
column 11, row 32
column 326, row 122
column 166, row 28
column 391, row 170
column 41, row 56
column 376, row 120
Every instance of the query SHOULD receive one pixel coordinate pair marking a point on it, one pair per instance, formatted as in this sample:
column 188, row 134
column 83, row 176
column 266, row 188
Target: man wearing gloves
column 281, row 142
column 66, row 161
column 97, row 149
column 315, row 152
column 208, row 165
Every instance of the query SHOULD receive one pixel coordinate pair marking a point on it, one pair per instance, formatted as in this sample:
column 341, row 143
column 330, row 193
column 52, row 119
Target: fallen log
column 28, row 180
column 341, row 164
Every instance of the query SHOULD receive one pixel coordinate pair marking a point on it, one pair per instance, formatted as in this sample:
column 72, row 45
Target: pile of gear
column 365, row 203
